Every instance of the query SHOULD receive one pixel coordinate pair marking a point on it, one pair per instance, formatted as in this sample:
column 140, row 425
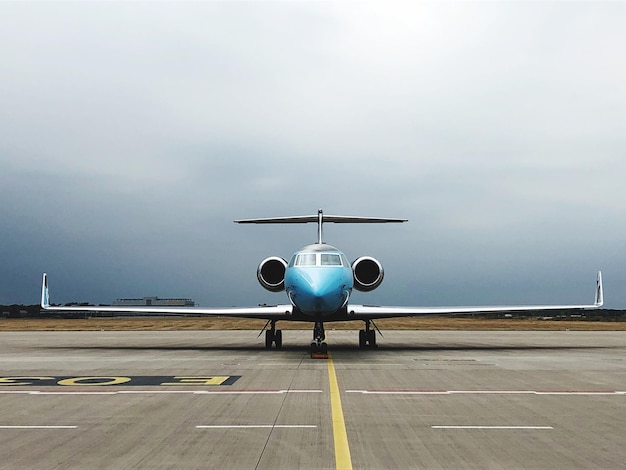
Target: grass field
column 169, row 323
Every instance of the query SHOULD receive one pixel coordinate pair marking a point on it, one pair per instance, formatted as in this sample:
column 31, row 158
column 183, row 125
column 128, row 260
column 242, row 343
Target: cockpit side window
column 345, row 261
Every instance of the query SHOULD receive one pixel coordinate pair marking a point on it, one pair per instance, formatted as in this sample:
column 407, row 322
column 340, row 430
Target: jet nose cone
column 318, row 294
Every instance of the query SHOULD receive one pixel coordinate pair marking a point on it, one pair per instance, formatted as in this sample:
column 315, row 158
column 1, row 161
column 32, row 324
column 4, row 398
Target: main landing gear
column 273, row 336
column 318, row 346
column 367, row 337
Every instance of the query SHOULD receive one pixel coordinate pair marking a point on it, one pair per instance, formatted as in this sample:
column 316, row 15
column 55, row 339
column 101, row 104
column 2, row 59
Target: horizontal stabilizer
column 320, row 218
column 306, row 219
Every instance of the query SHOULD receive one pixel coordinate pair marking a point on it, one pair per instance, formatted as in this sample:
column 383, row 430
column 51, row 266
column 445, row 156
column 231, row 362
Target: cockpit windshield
column 319, row 259
column 331, row 259
column 305, row 259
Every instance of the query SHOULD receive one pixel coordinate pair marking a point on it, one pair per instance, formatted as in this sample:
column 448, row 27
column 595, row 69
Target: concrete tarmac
column 218, row 399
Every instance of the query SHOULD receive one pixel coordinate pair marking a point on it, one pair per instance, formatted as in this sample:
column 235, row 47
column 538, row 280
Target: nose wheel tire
column 318, row 346
column 321, row 348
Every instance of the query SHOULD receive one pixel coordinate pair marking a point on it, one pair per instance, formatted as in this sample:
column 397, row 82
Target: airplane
column 318, row 281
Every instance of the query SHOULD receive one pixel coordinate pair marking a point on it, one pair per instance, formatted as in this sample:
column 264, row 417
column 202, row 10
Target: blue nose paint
column 318, row 290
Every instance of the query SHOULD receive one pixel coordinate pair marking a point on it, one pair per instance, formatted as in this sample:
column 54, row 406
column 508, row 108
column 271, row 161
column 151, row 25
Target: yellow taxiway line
column 343, row 461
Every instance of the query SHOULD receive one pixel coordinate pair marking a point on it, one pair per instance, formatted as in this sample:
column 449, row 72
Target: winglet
column 45, row 296
column 599, row 300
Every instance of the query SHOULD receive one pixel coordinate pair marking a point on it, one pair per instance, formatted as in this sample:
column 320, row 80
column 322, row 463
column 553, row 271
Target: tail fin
column 599, row 300
column 45, row 296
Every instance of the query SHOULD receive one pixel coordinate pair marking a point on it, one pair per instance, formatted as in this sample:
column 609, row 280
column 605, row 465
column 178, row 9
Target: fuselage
column 319, row 280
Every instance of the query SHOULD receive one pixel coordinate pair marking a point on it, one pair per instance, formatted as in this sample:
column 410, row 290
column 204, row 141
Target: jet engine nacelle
column 368, row 273
column 271, row 273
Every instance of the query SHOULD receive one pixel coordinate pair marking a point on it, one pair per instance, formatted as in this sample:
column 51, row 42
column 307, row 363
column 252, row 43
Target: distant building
column 154, row 302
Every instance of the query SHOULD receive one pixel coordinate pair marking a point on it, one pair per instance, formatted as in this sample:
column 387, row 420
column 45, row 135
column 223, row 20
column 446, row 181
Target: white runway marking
column 38, row 427
column 218, row 392
column 69, row 393
column 255, row 426
column 491, row 392
column 492, row 427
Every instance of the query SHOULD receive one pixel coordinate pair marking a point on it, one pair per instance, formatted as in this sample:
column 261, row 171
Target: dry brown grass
column 168, row 323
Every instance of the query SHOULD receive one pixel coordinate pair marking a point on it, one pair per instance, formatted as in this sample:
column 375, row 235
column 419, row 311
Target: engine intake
column 368, row 273
column 271, row 273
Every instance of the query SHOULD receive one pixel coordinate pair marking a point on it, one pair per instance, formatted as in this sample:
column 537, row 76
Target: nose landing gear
column 319, row 349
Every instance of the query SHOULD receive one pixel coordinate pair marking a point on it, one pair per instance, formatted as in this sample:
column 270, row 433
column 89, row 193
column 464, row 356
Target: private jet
column 318, row 281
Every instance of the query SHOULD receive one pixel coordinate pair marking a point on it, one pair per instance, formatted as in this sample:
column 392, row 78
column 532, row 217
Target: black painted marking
column 107, row 381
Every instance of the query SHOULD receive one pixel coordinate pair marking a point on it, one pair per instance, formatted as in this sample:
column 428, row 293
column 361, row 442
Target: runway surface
column 218, row 399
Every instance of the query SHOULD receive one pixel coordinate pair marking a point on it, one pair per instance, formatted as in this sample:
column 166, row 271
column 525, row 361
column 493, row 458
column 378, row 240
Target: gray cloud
column 133, row 133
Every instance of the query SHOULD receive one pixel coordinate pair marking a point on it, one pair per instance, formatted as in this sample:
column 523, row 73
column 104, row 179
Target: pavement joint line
column 343, row 460
column 282, row 392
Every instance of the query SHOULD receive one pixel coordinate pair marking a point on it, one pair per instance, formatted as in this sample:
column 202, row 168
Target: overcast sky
column 132, row 134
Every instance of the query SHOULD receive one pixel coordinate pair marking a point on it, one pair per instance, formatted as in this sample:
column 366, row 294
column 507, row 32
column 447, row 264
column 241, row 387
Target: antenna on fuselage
column 320, row 218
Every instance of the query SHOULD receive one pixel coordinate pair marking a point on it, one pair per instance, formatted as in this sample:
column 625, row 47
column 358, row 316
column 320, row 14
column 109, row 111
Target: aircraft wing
column 275, row 312
column 364, row 312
